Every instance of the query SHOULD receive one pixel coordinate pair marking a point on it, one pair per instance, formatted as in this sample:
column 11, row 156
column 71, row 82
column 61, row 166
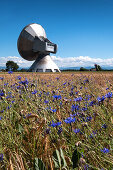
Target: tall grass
column 56, row 121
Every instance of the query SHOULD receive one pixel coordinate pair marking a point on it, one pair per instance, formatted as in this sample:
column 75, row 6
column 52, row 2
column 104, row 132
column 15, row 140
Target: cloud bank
column 80, row 61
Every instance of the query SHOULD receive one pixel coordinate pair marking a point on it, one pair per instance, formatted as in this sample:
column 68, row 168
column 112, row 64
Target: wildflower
column 19, row 78
column 1, row 157
column 69, row 120
column 34, row 92
column 1, row 94
column 59, row 130
column 57, row 97
column 76, row 130
column 88, row 118
column 57, row 78
column 78, row 99
column 28, row 115
column 108, row 95
column 47, row 131
column 53, row 110
column 84, row 108
column 107, row 88
column 92, row 103
column 24, row 82
column 53, row 124
column 46, row 101
column 74, row 107
column 101, row 99
column 104, row 150
column 64, row 83
column 1, row 78
column 1, row 117
column 104, row 126
column 10, row 72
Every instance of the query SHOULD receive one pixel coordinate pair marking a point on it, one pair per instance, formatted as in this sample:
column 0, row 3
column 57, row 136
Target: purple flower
column 34, row 92
column 69, row 120
column 47, row 131
column 1, row 157
column 53, row 124
column 19, row 78
column 104, row 126
column 92, row 103
column 46, row 101
column 10, row 72
column 1, row 78
column 78, row 99
column 108, row 95
column 76, row 130
column 1, row 94
column 88, row 118
column 74, row 107
column 60, row 130
column 101, row 99
column 1, row 117
column 57, row 97
column 104, row 150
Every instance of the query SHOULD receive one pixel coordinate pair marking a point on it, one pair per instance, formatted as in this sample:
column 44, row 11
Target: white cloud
column 80, row 61
column 20, row 61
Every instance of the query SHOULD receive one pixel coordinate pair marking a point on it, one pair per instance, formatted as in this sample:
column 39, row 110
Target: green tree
column 83, row 69
column 11, row 66
column 97, row 67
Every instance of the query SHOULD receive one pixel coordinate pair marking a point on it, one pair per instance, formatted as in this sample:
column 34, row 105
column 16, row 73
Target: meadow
column 58, row 121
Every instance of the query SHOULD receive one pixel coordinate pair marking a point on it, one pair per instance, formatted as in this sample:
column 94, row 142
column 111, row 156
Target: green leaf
column 39, row 165
column 20, row 128
column 62, row 156
column 75, row 158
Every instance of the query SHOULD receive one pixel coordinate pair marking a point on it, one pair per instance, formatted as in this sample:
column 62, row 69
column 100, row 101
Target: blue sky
column 83, row 29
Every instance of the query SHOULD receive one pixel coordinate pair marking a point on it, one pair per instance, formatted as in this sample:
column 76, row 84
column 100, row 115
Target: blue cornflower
column 88, row 118
column 91, row 136
column 76, row 130
column 34, row 92
column 53, row 124
column 1, row 94
column 84, row 108
column 57, row 78
column 1, row 157
column 108, row 95
column 57, row 97
column 1, row 78
column 28, row 115
column 92, row 103
column 64, row 83
column 46, row 101
column 107, row 88
column 47, row 131
column 10, row 72
column 104, row 150
column 19, row 78
column 78, row 99
column 24, row 82
column 101, row 99
column 74, row 107
column 53, row 110
column 60, row 130
column 69, row 120
column 1, row 117
column 104, row 126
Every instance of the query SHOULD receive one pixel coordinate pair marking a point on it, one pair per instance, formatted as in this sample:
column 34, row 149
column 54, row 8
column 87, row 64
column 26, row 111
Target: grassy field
column 58, row 121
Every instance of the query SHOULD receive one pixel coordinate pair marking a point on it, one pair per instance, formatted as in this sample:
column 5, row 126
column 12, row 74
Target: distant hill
column 69, row 68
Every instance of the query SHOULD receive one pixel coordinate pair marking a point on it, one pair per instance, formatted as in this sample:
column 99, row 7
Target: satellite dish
column 33, row 45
